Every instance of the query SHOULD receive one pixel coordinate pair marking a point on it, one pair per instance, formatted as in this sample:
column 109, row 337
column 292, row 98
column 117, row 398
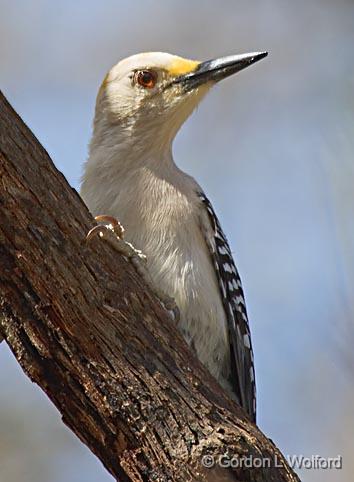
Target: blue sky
column 273, row 148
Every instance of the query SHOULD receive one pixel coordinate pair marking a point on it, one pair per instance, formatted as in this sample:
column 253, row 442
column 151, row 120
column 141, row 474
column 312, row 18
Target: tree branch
column 87, row 330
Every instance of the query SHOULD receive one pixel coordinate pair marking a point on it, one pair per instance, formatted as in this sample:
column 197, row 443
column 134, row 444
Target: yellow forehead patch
column 182, row 66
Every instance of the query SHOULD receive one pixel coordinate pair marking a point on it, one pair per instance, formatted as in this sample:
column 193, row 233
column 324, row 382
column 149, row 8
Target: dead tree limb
column 86, row 329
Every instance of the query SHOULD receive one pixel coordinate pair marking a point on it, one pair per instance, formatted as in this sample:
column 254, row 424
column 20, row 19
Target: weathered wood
column 86, row 329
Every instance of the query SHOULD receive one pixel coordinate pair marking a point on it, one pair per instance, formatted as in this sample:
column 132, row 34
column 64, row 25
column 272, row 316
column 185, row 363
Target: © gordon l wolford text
column 312, row 462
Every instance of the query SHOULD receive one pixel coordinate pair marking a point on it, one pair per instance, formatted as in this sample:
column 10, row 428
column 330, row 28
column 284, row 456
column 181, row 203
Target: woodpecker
column 130, row 174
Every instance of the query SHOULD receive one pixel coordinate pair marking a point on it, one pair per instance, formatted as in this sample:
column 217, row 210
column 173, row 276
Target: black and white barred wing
column 241, row 355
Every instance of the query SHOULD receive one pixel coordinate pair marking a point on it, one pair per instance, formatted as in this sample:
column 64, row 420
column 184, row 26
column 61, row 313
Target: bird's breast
column 179, row 263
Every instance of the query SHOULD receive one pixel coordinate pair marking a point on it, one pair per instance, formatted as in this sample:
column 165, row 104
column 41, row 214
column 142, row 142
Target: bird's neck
column 119, row 160
column 117, row 148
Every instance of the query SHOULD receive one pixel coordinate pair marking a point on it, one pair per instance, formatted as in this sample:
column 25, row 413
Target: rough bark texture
column 86, row 329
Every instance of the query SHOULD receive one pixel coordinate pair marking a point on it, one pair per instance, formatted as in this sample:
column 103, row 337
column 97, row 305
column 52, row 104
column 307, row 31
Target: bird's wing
column 242, row 365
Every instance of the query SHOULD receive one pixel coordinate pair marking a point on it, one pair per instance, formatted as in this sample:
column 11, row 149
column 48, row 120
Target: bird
column 130, row 174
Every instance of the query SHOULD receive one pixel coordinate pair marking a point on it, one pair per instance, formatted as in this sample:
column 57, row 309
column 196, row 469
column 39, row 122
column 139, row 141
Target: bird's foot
column 110, row 224
column 113, row 232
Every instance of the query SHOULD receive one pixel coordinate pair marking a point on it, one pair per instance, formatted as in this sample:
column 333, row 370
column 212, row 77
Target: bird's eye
column 146, row 78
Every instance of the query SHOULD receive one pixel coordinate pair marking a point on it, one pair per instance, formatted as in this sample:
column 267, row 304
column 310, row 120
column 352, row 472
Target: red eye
column 146, row 78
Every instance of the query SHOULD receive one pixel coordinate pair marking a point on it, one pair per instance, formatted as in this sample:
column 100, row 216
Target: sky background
column 273, row 148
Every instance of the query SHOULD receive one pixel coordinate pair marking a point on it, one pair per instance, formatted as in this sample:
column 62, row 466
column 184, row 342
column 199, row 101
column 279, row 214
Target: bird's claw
column 111, row 224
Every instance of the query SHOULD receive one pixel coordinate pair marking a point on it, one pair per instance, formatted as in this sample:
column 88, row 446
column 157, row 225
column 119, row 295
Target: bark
column 90, row 333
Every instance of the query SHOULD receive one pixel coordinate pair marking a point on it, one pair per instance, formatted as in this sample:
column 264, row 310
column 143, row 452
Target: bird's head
column 145, row 98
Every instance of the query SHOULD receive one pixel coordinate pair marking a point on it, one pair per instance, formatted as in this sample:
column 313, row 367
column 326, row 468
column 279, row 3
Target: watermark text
column 312, row 462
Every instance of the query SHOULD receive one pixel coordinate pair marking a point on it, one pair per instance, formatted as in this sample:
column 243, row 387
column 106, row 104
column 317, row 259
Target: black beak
column 218, row 69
